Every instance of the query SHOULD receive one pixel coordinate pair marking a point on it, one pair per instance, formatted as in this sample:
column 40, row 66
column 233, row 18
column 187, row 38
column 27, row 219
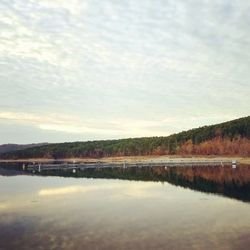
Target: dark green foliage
column 13, row 147
column 136, row 146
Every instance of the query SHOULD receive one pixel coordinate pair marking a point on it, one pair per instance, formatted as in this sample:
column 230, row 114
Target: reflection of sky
column 19, row 195
column 77, row 70
column 139, row 190
column 21, row 190
column 113, row 214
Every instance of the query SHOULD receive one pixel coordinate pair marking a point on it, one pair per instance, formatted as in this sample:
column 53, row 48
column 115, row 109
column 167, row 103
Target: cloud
column 62, row 123
column 113, row 128
column 74, row 7
column 123, row 68
column 39, row 31
column 75, row 125
column 3, row 206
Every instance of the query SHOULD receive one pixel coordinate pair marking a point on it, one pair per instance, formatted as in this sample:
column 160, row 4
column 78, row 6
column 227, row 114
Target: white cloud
column 123, row 68
column 76, row 125
column 62, row 123
column 113, row 128
column 20, row 40
column 74, row 7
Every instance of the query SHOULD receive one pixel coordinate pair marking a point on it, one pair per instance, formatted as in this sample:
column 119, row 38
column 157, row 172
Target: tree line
column 231, row 137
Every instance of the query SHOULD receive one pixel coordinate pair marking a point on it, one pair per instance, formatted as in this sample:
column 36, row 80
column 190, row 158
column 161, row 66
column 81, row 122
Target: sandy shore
column 242, row 160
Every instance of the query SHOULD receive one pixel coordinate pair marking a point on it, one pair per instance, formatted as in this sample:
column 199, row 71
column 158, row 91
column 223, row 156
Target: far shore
column 153, row 158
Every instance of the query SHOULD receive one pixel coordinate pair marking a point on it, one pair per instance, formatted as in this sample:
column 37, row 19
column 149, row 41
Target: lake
column 147, row 208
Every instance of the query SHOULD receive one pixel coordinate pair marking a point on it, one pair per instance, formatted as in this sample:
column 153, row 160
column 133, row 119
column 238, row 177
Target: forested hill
column 228, row 138
column 13, row 147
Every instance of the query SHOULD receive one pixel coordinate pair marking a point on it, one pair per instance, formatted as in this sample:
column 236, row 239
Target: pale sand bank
column 242, row 160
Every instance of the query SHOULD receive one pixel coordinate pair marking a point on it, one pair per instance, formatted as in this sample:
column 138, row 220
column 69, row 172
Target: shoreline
column 119, row 159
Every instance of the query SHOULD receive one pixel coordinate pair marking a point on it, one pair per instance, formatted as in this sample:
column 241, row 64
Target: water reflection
column 234, row 183
column 49, row 212
column 138, row 190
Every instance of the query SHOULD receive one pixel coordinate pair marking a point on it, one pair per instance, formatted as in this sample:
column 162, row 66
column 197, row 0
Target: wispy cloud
column 117, row 128
column 123, row 68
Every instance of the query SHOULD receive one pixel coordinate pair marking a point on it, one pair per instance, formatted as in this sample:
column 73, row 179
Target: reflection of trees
column 226, row 181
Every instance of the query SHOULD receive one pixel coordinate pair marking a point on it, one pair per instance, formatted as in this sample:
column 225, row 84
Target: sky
column 88, row 69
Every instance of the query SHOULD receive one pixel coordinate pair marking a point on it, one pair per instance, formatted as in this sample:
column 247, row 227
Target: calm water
column 53, row 212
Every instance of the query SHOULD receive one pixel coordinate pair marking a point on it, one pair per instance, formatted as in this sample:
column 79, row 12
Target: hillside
column 4, row 148
column 228, row 138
